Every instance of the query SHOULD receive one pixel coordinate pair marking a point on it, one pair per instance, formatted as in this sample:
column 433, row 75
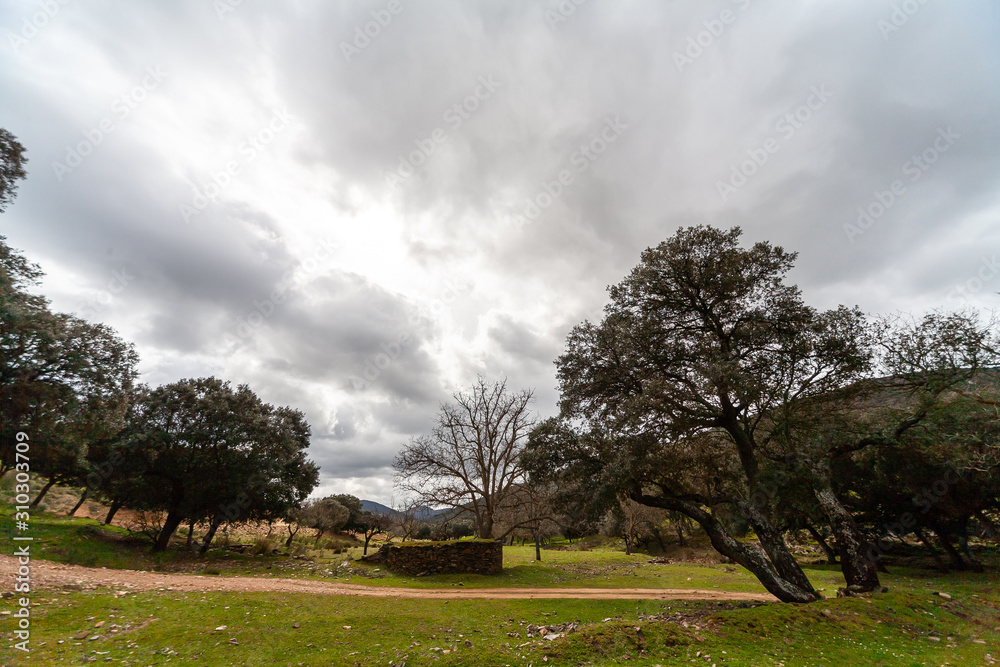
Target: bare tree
column 471, row 460
column 406, row 521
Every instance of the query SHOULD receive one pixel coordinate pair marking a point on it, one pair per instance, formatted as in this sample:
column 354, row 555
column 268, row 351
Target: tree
column 326, row 515
column 64, row 380
column 699, row 344
column 12, row 161
column 917, row 366
column 198, row 449
column 471, row 459
column 371, row 524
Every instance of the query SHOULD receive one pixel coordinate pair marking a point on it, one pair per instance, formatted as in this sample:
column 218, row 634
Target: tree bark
column 79, row 503
column 170, row 525
column 112, row 511
column 190, row 537
column 210, row 535
column 777, row 551
column 831, row 555
column 746, row 555
column 860, row 568
column 41, row 494
column 538, row 549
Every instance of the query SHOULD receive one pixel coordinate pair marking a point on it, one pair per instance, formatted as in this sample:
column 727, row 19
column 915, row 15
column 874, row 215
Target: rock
column 220, row 628
column 346, row 627
column 81, row 635
column 99, row 624
column 295, row 625
column 468, row 644
column 943, row 595
column 934, row 639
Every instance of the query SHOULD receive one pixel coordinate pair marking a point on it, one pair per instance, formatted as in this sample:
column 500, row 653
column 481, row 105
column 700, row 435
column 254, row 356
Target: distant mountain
column 423, row 513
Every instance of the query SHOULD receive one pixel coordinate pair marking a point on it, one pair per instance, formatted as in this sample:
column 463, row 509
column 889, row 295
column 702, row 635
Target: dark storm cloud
column 458, row 117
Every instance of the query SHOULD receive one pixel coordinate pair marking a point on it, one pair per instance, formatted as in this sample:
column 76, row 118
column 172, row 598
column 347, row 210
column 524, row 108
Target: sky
column 357, row 207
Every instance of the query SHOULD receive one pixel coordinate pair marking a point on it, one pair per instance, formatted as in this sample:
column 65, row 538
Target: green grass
column 85, row 542
column 159, row 627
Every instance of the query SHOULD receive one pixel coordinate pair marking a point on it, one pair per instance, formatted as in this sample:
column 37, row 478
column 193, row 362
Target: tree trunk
column 210, row 535
column 319, row 534
column 291, row 535
column 831, row 555
column 963, row 543
column 956, row 558
column 746, row 555
column 112, row 511
column 538, row 549
column 367, row 540
column 857, row 562
column 41, row 494
column 777, row 551
column 190, row 537
column 79, row 503
column 922, row 536
column 680, row 534
column 170, row 525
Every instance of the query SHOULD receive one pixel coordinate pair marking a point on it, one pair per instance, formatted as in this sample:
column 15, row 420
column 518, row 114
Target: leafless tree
column 406, row 521
column 471, row 460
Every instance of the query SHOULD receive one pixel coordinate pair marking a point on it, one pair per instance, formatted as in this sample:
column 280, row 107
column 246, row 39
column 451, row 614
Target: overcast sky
column 278, row 193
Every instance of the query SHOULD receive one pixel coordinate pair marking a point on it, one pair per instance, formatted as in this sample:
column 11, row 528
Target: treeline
column 197, row 450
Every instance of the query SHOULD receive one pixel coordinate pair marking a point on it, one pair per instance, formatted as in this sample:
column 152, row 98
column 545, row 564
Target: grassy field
column 909, row 625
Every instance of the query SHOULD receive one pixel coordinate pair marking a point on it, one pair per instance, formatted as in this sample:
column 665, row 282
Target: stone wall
column 460, row 557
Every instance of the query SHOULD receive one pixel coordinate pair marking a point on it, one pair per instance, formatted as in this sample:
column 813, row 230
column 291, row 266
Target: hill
column 423, row 513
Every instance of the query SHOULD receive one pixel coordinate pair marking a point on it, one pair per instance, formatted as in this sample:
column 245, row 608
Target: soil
column 46, row 574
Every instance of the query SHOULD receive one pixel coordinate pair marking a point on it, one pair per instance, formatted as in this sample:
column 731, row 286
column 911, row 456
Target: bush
column 263, row 545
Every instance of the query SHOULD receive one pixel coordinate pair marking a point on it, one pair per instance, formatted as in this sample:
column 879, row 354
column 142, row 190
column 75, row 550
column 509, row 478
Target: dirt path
column 46, row 574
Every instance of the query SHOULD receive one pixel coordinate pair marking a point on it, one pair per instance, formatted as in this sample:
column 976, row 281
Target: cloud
column 377, row 297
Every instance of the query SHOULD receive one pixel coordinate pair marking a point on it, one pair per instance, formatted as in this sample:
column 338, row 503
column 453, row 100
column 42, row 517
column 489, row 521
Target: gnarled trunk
column 857, row 561
column 777, row 551
column 746, row 555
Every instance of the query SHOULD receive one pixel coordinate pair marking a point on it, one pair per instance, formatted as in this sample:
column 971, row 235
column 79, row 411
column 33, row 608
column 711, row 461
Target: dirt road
column 46, row 574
